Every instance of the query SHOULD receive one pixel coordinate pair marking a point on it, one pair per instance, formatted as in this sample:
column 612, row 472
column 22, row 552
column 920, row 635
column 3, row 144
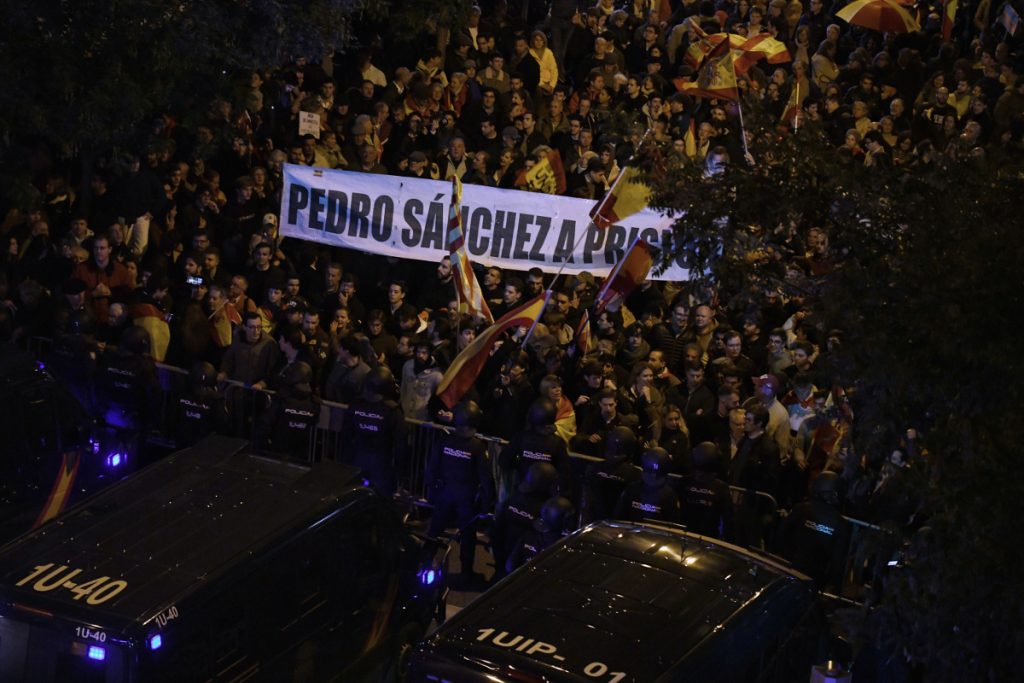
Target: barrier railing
column 757, row 512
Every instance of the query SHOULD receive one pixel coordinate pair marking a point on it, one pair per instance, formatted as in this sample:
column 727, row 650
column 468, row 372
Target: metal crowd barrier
column 869, row 549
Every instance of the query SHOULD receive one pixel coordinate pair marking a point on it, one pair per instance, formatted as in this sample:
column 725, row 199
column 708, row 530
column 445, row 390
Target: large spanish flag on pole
column 471, row 297
column 467, row 365
column 628, row 274
column 717, row 79
column 628, row 195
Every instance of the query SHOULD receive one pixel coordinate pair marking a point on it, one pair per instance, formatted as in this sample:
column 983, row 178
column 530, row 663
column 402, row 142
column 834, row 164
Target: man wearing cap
column 418, row 166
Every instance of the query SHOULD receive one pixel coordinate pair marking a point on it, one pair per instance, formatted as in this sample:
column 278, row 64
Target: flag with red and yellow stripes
column 761, row 46
column 627, row 195
column 628, row 274
column 150, row 318
column 466, row 367
column 63, row 487
column 717, row 79
column 467, row 288
column 948, row 17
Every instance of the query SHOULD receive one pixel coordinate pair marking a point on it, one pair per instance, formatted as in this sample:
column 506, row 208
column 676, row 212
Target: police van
column 48, row 455
column 215, row 564
column 618, row 602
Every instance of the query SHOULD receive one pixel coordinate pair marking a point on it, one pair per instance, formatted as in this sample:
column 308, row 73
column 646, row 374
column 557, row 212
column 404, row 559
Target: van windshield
column 53, row 651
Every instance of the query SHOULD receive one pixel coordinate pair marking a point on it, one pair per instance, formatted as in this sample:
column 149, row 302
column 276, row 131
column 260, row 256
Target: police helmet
column 654, row 464
column 539, row 478
column 467, row 414
column 202, row 375
column 81, row 323
column 620, row 441
column 298, row 377
column 135, row 340
column 554, row 515
column 379, row 381
column 826, row 487
column 541, row 414
column 705, row 456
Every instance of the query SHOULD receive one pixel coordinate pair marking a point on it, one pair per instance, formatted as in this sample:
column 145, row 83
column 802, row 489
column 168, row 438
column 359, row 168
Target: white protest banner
column 408, row 218
column 309, row 124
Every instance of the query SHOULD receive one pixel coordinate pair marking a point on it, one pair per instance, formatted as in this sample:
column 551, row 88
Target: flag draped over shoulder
column 154, row 321
column 628, row 195
column 628, row 274
column 467, row 365
column 471, row 297
column 717, row 79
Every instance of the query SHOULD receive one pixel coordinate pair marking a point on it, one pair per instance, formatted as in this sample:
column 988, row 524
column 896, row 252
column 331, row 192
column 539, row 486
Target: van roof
column 173, row 527
column 635, row 597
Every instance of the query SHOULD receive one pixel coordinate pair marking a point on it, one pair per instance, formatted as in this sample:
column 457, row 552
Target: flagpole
column 604, row 199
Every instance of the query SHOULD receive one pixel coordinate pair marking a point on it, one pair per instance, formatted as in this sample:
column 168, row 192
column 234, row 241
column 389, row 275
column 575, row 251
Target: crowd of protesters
column 182, row 237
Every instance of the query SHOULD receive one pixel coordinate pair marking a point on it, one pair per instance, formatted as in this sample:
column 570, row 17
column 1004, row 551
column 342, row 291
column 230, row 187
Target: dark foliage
column 926, row 285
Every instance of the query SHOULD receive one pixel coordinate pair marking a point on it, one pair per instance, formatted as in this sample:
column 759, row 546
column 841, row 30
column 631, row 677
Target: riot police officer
column 706, row 504
column 538, row 443
column 373, row 430
column 294, row 412
column 524, row 505
column 458, row 476
column 552, row 523
column 126, row 383
column 200, row 410
column 604, row 481
column 651, row 497
column 815, row 536
column 72, row 358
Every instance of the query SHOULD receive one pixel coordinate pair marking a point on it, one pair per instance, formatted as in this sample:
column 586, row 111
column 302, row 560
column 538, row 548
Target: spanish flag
column 63, row 487
column 150, row 318
column 222, row 326
column 628, row 274
column 467, row 288
column 467, row 365
column 628, row 195
column 761, row 46
column 690, row 139
column 583, row 335
column 700, row 49
column 794, row 105
column 547, row 175
column 717, row 79
column 948, row 17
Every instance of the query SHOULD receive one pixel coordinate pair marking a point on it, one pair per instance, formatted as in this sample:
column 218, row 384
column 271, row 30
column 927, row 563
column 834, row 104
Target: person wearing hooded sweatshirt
column 420, row 377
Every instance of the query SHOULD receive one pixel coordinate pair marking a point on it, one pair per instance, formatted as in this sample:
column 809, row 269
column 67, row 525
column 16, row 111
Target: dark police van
column 215, row 564
column 47, row 454
column 643, row 603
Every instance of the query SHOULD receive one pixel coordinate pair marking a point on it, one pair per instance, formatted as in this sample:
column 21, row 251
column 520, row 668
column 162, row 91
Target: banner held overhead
column 408, row 218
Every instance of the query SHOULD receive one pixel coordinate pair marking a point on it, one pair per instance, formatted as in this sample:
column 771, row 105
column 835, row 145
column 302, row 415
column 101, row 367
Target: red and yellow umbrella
column 881, row 15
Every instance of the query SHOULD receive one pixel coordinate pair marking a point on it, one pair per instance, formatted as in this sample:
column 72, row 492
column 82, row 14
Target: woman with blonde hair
column 546, row 59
